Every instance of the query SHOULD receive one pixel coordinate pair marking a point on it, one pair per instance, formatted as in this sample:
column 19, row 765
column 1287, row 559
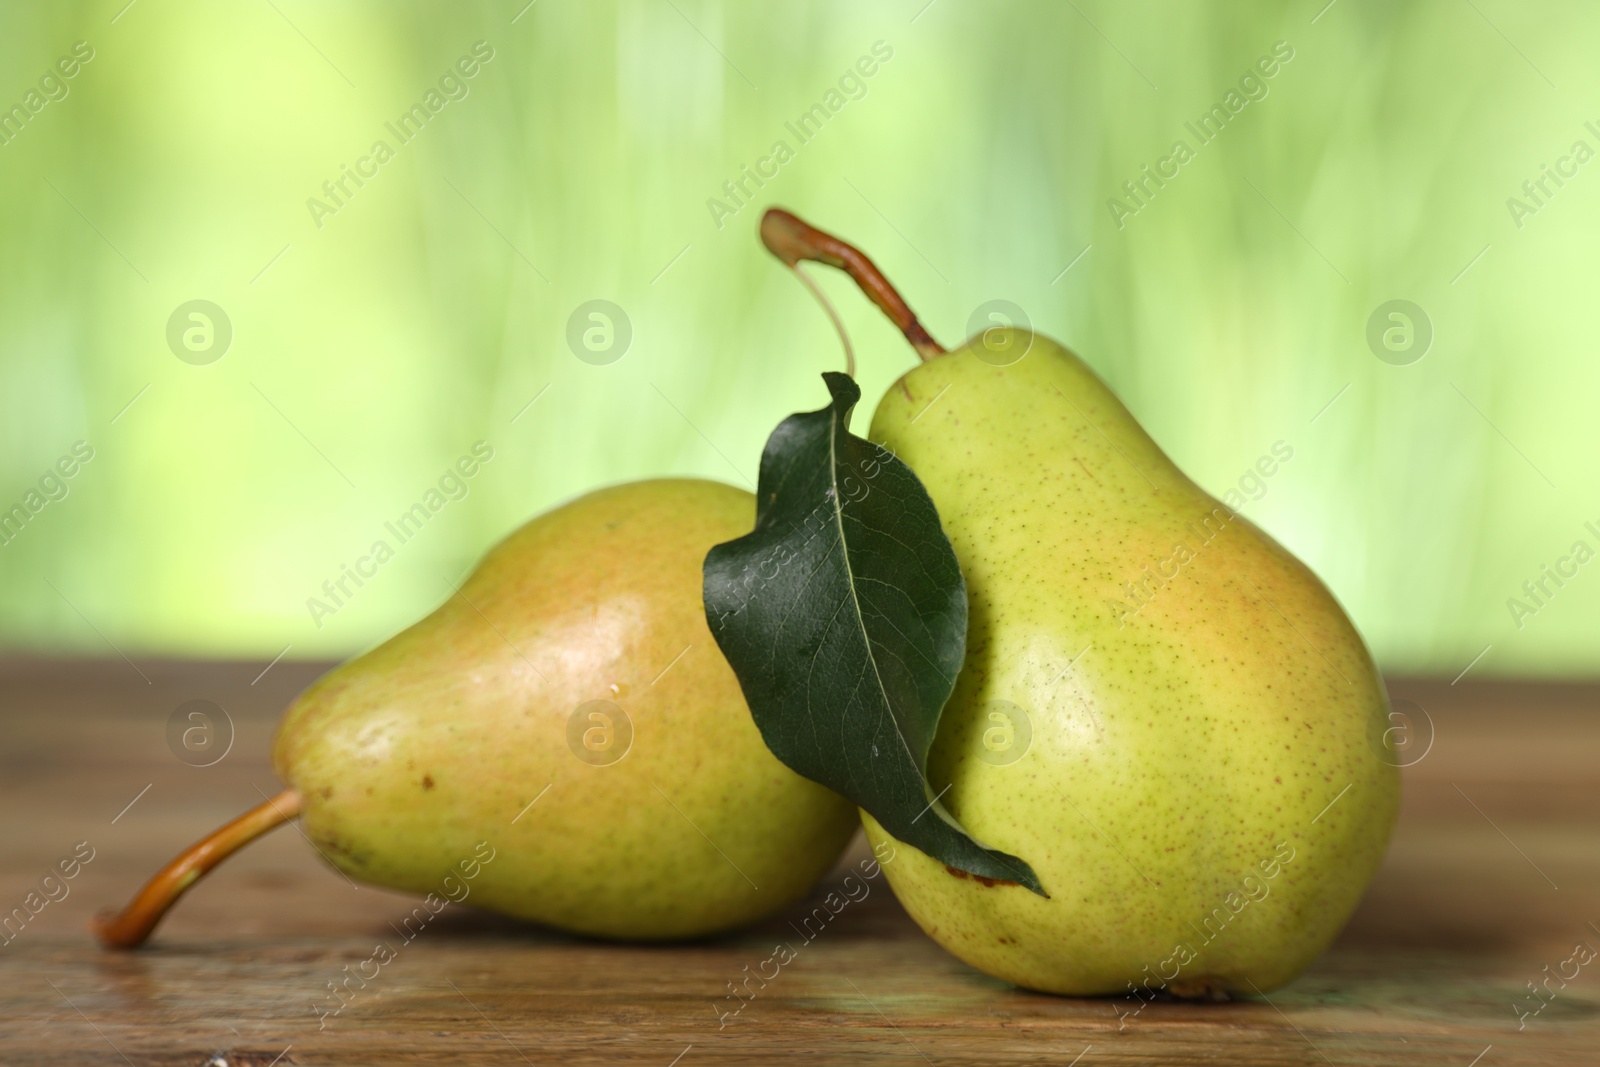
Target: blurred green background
column 376, row 338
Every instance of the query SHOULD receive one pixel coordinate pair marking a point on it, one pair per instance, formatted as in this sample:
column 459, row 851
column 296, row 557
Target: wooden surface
column 1493, row 875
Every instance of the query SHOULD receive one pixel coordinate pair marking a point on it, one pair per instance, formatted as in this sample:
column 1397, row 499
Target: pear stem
column 793, row 240
column 130, row 927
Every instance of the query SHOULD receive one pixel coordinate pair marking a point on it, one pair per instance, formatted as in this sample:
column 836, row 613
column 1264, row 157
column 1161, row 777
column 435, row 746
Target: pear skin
column 1161, row 710
column 467, row 728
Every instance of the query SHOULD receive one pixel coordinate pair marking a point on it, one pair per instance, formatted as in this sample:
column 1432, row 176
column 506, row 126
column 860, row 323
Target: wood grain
column 1494, row 874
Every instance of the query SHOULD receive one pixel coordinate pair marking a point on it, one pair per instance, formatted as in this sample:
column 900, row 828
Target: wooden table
column 1494, row 873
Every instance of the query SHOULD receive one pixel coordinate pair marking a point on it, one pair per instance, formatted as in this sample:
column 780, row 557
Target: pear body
column 573, row 672
column 1161, row 710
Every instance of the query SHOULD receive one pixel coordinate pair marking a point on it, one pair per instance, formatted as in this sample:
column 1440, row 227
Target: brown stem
column 129, row 928
column 792, row 240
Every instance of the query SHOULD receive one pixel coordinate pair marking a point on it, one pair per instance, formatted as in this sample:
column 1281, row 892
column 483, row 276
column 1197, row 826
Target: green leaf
column 844, row 615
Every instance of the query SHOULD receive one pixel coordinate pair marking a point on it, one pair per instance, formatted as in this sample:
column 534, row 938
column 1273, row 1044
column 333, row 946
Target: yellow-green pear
column 561, row 741
column 1161, row 710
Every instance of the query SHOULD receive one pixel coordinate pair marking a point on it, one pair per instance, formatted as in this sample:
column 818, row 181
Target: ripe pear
column 568, row 708
column 1161, row 710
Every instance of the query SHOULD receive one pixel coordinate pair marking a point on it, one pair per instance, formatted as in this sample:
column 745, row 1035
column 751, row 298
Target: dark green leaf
column 844, row 615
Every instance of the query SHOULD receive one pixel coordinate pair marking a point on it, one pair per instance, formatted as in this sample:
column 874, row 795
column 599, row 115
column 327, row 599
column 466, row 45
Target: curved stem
column 793, row 240
column 130, row 927
column 838, row 323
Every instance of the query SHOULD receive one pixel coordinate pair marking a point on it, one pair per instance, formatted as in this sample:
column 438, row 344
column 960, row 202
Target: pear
column 1161, row 710
column 561, row 742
